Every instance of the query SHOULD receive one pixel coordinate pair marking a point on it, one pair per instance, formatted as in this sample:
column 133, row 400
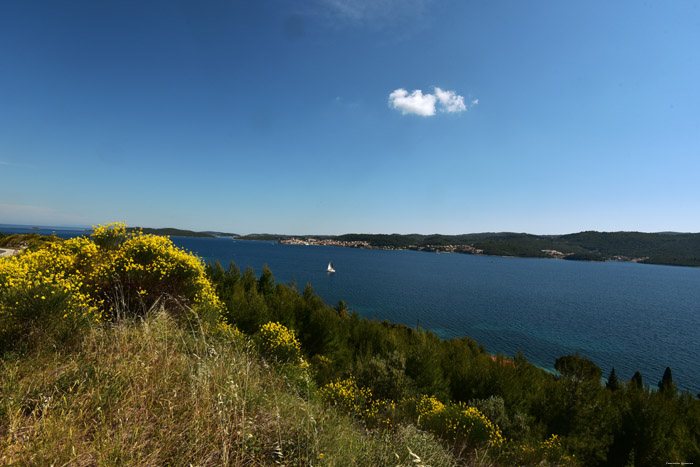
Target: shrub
column 458, row 423
column 346, row 394
column 380, row 413
column 386, row 376
column 547, row 452
column 515, row 427
column 62, row 284
column 139, row 270
column 278, row 342
column 43, row 292
column 109, row 236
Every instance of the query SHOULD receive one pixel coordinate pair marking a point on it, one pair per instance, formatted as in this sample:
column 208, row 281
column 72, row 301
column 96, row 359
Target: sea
column 634, row 317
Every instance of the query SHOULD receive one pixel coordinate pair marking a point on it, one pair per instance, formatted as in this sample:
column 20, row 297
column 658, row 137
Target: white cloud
column 450, row 101
column 475, row 101
column 425, row 104
column 414, row 103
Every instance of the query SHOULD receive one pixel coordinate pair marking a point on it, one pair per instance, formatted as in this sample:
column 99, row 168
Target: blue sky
column 303, row 117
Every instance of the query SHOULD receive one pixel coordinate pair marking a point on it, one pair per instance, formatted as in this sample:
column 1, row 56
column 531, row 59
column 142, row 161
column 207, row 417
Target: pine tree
column 637, row 380
column 266, row 284
column 613, row 383
column 666, row 383
column 342, row 308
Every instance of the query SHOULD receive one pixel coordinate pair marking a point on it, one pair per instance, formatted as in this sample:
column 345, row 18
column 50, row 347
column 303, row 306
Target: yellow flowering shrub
column 358, row 400
column 142, row 269
column 419, row 408
column 229, row 332
column 37, row 287
column 380, row 413
column 346, row 394
column 276, row 341
column 429, row 405
column 456, row 422
column 82, row 279
column 109, row 236
column 547, row 452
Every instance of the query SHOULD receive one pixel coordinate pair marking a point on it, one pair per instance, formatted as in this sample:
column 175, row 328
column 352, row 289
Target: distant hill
column 220, row 234
column 172, row 232
column 263, row 237
column 671, row 248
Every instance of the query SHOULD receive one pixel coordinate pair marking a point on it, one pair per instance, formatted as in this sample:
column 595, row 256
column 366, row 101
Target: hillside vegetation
column 123, row 349
column 172, row 232
column 680, row 249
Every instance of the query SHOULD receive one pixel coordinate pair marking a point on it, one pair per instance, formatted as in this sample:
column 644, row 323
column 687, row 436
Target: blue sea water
column 630, row 316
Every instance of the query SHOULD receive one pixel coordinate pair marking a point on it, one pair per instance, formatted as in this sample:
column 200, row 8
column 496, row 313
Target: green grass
column 154, row 392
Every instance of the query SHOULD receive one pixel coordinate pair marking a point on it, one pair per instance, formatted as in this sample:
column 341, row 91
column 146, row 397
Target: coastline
column 464, row 249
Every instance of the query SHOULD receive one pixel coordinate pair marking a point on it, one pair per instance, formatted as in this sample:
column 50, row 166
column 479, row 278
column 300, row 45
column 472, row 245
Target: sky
column 338, row 116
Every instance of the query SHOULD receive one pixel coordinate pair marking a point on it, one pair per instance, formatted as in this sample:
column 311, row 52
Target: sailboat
column 330, row 267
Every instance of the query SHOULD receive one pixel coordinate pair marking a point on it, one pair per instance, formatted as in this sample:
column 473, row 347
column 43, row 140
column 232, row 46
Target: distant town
column 449, row 248
column 459, row 248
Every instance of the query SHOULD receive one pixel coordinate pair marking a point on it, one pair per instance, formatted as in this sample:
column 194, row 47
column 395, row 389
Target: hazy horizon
column 242, row 232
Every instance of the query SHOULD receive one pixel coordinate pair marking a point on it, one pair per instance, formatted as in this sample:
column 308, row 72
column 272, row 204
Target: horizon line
column 89, row 227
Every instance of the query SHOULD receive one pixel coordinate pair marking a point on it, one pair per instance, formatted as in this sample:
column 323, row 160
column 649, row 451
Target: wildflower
column 279, row 342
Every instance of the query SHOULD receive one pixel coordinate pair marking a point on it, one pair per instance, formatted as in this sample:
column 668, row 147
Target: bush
column 51, row 291
column 346, row 394
column 494, row 408
column 458, row 423
column 386, row 376
column 547, row 452
column 278, row 342
column 138, row 270
column 44, row 293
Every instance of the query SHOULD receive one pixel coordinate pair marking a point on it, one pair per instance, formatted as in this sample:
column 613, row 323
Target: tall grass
column 154, row 392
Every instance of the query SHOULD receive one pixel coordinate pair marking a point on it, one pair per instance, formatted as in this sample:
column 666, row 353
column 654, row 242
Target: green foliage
column 637, row 380
column 587, row 256
column 30, row 241
column 267, row 282
column 38, row 314
column 550, row 451
column 461, row 425
column 372, row 369
column 666, row 384
column 577, row 368
column 386, row 376
column 514, row 427
column 613, row 383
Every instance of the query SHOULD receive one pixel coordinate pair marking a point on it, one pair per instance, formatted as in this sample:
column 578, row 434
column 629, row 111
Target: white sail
column 330, row 267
